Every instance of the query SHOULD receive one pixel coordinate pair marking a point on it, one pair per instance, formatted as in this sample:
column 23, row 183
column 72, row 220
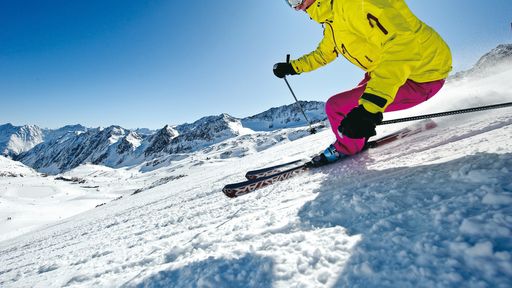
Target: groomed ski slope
column 432, row 210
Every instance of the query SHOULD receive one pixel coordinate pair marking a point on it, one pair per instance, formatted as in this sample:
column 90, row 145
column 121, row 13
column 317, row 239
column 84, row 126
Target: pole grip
column 287, row 58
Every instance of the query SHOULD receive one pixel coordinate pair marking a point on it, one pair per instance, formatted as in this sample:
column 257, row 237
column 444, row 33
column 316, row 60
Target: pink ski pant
column 409, row 95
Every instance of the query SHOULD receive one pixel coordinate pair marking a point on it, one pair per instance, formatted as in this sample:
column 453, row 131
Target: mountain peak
column 287, row 116
column 6, row 126
column 159, row 141
column 494, row 60
column 18, row 139
column 502, row 53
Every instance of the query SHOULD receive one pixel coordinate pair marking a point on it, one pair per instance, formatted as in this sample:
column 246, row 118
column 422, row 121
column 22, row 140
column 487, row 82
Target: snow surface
column 431, row 210
column 15, row 140
column 29, row 200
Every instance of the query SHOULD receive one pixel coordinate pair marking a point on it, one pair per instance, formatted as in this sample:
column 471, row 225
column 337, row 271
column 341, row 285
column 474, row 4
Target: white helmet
column 294, row 3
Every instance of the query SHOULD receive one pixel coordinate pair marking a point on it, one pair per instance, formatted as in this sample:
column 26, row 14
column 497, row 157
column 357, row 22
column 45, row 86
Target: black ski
column 242, row 188
column 266, row 176
column 267, row 171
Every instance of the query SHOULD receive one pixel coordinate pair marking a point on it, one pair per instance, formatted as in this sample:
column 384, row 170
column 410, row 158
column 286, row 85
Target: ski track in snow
column 432, row 210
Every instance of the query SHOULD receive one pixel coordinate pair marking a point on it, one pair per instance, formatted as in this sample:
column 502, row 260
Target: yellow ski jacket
column 382, row 37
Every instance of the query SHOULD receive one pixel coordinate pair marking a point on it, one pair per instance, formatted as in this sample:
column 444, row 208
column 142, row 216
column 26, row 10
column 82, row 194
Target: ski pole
column 311, row 129
column 447, row 113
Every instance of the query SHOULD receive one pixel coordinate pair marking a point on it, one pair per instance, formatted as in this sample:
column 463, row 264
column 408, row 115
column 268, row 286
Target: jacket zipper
column 343, row 48
column 345, row 51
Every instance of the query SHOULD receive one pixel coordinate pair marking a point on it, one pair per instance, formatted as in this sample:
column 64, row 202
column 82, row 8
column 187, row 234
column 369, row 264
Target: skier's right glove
column 360, row 123
column 282, row 69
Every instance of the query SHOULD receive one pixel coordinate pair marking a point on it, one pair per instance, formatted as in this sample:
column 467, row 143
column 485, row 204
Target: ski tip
column 237, row 189
column 229, row 192
column 250, row 176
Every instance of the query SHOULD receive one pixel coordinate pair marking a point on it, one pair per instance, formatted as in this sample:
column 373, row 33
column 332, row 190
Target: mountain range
column 56, row 151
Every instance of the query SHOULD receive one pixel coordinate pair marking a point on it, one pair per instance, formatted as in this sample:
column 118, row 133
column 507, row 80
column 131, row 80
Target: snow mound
column 10, row 168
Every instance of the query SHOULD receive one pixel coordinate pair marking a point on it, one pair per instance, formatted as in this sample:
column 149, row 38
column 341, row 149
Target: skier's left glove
column 283, row 69
column 360, row 123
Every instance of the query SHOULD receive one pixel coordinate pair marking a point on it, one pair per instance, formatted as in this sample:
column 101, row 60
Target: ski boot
column 330, row 155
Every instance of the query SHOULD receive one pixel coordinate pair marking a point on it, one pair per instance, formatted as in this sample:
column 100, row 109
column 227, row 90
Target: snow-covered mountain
column 95, row 146
column 17, row 139
column 66, row 131
column 501, row 55
column 10, row 168
column 495, row 60
column 204, row 132
column 118, row 147
column 286, row 116
column 430, row 210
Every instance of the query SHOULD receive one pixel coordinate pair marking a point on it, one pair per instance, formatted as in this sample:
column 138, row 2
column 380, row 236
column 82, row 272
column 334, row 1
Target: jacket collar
column 321, row 11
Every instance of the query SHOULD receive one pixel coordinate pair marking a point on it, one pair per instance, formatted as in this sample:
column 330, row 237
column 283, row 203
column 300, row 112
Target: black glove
column 360, row 123
column 283, row 69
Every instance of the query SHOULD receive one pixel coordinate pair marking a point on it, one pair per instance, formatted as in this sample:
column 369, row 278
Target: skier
column 405, row 60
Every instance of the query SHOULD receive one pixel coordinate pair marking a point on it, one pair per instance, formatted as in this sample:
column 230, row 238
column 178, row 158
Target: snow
column 430, row 210
column 239, row 128
column 29, row 200
column 12, row 168
column 15, row 140
column 134, row 140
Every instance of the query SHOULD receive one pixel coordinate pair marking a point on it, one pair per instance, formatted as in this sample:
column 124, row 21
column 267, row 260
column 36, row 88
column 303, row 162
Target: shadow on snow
column 418, row 223
column 247, row 271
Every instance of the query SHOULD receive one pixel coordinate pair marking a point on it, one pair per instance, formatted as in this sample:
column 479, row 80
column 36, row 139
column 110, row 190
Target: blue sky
column 151, row 63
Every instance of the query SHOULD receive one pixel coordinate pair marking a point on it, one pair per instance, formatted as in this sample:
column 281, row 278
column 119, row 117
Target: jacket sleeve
column 324, row 54
column 391, row 27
